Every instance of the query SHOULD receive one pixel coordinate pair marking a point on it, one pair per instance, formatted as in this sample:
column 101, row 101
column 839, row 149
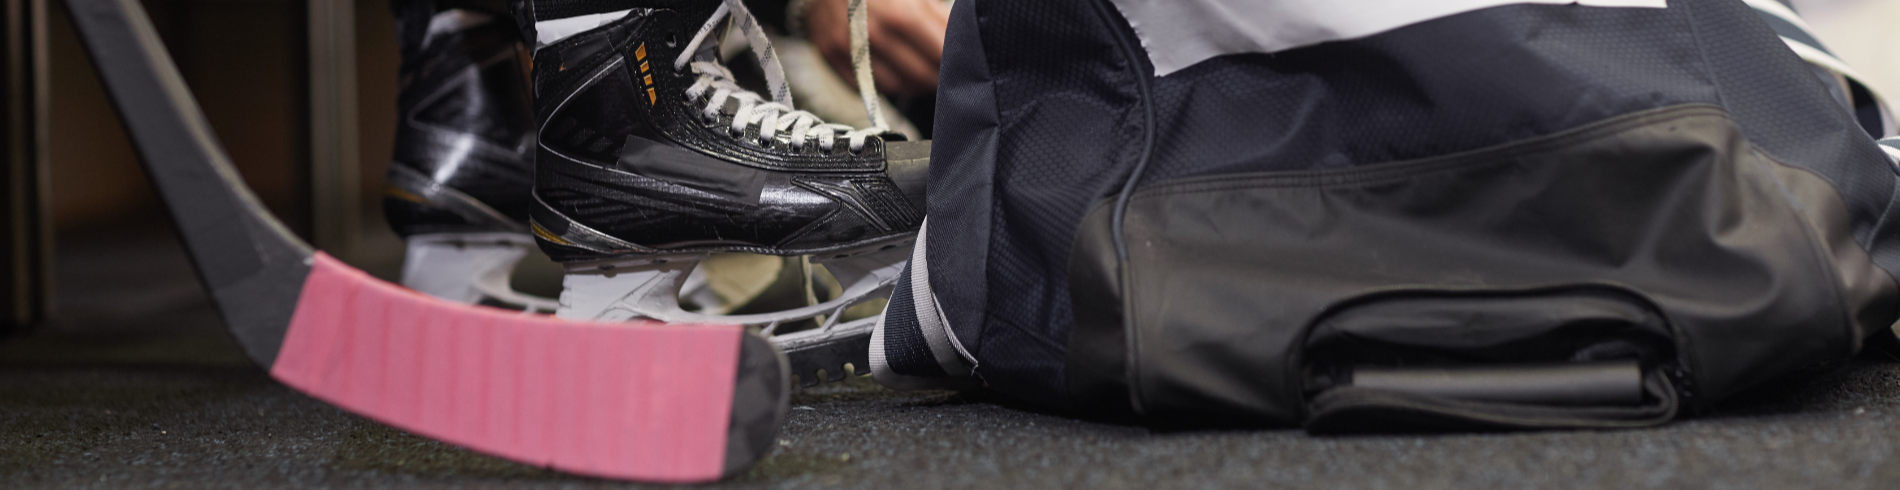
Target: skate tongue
column 732, row 13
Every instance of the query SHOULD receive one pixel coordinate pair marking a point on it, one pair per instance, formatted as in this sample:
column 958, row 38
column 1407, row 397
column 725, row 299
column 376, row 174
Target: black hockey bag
column 1527, row 215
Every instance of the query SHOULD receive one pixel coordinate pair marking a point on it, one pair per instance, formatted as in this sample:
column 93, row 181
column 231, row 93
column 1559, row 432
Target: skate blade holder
column 648, row 287
column 649, row 402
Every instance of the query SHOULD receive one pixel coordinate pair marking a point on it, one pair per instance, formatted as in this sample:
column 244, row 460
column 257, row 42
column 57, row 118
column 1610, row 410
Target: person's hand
column 906, row 41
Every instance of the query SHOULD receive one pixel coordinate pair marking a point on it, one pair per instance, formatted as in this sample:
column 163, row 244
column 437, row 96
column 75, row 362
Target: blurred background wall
column 246, row 63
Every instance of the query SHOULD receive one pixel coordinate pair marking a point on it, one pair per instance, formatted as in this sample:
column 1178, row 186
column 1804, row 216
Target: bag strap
column 1868, row 107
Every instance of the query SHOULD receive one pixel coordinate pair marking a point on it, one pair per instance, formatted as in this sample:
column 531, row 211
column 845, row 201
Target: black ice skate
column 458, row 189
column 652, row 157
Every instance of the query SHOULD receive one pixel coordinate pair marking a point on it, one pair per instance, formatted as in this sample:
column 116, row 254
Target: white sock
column 552, row 31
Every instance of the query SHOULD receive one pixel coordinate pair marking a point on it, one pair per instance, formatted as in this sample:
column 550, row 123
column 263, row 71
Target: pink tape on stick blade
column 639, row 401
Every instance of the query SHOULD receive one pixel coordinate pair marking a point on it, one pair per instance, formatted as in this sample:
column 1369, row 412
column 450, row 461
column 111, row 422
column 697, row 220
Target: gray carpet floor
column 136, row 386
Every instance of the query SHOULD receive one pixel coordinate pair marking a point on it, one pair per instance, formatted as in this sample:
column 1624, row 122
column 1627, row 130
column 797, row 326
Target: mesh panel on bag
column 1790, row 115
column 1061, row 101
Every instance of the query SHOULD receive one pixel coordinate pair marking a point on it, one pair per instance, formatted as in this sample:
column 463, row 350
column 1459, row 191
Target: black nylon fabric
column 904, row 345
column 1453, row 84
column 1791, row 117
column 1237, row 284
column 1031, row 144
column 963, row 197
column 1503, row 74
column 1039, row 120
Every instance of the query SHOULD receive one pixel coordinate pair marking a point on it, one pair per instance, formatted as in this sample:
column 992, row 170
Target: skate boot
column 458, row 189
column 651, row 157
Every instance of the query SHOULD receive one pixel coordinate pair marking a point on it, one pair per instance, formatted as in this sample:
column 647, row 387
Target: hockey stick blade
column 651, row 402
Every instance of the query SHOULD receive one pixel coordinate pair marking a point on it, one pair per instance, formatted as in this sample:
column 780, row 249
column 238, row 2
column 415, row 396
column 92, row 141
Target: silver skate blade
column 471, row 268
column 828, row 350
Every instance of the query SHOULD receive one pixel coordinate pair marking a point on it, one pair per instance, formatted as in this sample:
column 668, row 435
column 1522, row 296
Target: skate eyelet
column 672, row 39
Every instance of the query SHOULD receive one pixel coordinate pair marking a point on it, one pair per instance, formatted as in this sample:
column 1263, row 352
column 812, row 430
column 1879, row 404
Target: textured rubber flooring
column 172, row 426
column 138, row 388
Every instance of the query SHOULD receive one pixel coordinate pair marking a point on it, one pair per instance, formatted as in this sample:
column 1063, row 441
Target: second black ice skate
column 459, row 186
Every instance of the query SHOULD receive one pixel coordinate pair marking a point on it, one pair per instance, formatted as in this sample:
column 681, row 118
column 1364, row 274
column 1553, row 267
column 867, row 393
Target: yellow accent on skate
column 394, row 192
column 548, row 235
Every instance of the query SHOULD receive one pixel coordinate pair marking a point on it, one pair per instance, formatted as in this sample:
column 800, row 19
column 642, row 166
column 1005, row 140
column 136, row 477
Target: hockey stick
column 653, row 402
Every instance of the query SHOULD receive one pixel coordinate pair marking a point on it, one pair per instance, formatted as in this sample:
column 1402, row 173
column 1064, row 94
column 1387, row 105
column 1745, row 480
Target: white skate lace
column 778, row 114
